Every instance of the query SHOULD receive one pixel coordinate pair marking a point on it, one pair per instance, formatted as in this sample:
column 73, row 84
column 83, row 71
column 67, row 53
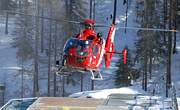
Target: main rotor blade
column 45, row 17
column 149, row 29
column 95, row 25
column 100, row 25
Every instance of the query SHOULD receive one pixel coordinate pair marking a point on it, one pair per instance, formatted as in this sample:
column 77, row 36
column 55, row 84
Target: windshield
column 69, row 44
column 82, row 47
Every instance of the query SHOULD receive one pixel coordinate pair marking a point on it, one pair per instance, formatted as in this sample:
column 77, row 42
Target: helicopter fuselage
column 77, row 57
column 91, row 59
column 86, row 51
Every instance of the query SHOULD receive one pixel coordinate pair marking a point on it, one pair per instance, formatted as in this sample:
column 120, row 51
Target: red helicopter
column 86, row 51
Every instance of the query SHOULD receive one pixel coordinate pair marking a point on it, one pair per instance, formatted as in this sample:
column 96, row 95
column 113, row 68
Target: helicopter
column 86, row 51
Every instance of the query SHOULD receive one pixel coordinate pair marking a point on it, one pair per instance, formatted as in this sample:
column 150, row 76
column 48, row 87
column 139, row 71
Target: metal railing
column 158, row 90
column 174, row 99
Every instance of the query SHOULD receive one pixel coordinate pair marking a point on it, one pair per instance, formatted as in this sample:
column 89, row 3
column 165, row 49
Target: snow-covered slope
column 104, row 93
column 9, row 62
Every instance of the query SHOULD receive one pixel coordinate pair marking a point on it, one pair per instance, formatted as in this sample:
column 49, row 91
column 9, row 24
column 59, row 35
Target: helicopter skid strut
column 95, row 77
column 63, row 71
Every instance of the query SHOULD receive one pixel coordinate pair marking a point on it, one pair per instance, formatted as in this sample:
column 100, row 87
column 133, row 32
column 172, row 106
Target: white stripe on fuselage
column 112, row 39
column 102, row 53
column 112, row 36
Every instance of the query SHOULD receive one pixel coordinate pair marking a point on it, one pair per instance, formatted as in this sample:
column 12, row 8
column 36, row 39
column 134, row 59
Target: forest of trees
column 38, row 42
column 153, row 48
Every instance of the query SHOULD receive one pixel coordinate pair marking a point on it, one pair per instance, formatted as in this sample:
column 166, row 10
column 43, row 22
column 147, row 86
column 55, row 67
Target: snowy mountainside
column 120, row 37
column 8, row 65
column 128, row 38
column 9, row 62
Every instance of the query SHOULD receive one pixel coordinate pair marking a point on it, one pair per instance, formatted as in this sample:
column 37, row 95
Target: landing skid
column 65, row 71
column 62, row 71
column 98, row 74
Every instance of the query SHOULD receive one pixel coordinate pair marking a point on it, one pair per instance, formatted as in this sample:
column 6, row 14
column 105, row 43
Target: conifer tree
column 125, row 72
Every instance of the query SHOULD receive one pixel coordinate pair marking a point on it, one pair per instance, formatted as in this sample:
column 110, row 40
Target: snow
column 9, row 63
column 155, row 102
column 104, row 93
column 178, row 99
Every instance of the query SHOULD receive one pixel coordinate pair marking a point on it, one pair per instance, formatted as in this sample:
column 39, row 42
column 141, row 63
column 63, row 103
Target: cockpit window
column 96, row 50
column 69, row 44
column 92, row 49
column 82, row 47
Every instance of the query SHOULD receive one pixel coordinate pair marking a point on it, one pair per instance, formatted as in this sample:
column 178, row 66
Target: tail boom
column 109, row 45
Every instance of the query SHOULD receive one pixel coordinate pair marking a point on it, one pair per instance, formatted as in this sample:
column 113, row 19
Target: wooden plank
column 56, row 103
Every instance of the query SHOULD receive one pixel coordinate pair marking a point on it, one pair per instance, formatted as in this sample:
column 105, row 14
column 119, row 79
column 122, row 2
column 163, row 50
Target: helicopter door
column 95, row 54
column 92, row 49
column 96, row 50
